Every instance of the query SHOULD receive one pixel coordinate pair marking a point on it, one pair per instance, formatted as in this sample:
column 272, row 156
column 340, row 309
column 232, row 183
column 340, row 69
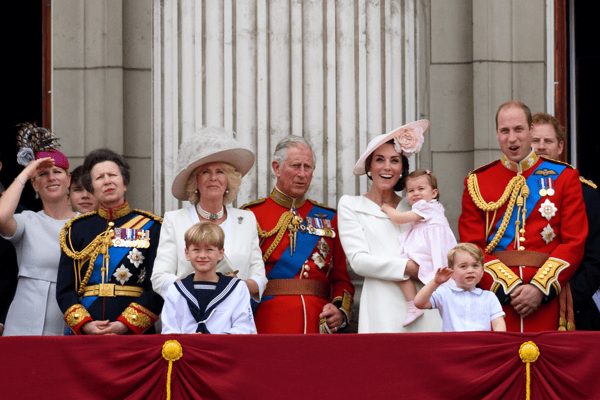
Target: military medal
column 550, row 187
column 543, row 191
column 319, row 226
column 128, row 237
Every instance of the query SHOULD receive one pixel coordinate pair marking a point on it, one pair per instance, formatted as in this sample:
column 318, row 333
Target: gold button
column 521, row 230
column 306, row 267
column 305, row 274
column 509, row 276
column 522, row 248
column 522, row 239
column 549, row 265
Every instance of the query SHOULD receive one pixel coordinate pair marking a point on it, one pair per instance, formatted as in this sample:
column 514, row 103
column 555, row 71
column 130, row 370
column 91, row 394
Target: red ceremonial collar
column 114, row 213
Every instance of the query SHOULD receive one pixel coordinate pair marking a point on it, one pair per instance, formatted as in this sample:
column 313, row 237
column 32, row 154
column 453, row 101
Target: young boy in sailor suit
column 207, row 301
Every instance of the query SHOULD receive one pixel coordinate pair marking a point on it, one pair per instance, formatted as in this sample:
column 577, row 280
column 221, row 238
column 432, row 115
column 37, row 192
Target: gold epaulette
column 557, row 162
column 63, row 231
column 149, row 215
column 484, row 167
column 254, row 203
column 502, row 275
column 588, row 182
column 547, row 275
column 321, row 205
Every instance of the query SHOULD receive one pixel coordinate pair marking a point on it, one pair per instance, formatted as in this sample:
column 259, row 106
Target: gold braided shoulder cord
column 280, row 228
column 100, row 244
column 512, row 190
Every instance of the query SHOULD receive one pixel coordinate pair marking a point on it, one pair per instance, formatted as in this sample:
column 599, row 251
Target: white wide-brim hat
column 417, row 129
column 206, row 146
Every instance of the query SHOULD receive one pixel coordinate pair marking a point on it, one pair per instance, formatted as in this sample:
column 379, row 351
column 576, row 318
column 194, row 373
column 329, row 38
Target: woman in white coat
column 211, row 165
column 370, row 238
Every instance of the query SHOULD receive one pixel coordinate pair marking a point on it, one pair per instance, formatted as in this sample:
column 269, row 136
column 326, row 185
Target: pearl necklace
column 207, row 215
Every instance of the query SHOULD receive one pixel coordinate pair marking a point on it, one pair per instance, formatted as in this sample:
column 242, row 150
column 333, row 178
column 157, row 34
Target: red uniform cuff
column 137, row 318
column 76, row 316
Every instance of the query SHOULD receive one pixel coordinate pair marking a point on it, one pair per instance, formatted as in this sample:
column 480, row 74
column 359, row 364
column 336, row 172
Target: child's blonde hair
column 469, row 248
column 205, row 233
column 430, row 177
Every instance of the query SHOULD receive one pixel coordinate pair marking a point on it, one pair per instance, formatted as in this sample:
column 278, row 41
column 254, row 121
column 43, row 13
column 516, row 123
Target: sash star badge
column 323, row 247
column 548, row 234
column 136, row 257
column 548, row 209
column 319, row 261
column 122, row 274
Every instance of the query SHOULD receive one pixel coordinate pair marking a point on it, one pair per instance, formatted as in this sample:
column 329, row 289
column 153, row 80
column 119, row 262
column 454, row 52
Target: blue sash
column 534, row 197
column 288, row 265
column 116, row 255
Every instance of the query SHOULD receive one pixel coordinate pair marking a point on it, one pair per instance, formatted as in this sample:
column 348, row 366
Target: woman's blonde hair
column 470, row 248
column 234, row 181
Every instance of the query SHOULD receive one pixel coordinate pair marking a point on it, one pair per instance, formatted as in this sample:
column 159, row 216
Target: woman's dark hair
column 401, row 184
column 101, row 155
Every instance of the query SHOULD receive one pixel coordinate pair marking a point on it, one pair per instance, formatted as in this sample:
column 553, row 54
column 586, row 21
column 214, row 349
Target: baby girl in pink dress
column 429, row 237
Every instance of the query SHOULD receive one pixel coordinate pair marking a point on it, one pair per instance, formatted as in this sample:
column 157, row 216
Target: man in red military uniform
column 309, row 289
column 527, row 213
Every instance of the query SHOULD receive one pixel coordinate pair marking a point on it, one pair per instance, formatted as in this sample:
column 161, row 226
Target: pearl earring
column 369, row 173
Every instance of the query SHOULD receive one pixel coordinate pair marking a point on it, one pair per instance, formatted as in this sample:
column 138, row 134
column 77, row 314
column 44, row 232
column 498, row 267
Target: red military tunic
column 323, row 262
column 555, row 224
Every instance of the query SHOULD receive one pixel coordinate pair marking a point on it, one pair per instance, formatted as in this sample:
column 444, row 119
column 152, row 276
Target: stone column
column 101, row 84
column 87, row 76
column 476, row 55
column 336, row 72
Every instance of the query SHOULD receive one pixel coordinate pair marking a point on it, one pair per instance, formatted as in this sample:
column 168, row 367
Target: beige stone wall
column 472, row 54
column 101, row 84
column 475, row 55
column 336, row 72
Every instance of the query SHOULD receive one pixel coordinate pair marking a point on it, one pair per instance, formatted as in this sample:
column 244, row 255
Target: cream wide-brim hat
column 418, row 126
column 207, row 146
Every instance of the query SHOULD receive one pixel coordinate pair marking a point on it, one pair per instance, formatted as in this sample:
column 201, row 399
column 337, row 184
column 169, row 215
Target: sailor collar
column 477, row 291
column 286, row 201
column 523, row 165
column 114, row 213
